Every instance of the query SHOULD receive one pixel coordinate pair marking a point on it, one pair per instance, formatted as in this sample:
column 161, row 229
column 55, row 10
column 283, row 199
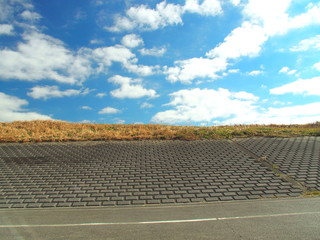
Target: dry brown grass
column 57, row 131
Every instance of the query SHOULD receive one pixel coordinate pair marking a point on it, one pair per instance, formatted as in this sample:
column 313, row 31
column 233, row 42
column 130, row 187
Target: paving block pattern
column 297, row 157
column 132, row 173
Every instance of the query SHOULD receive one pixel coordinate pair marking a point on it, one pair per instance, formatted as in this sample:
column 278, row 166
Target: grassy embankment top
column 58, row 131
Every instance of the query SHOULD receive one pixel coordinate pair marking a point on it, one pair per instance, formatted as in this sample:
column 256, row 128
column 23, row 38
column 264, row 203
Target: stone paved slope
column 296, row 157
column 132, row 173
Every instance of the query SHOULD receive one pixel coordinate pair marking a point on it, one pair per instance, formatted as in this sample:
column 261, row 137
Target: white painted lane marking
column 157, row 222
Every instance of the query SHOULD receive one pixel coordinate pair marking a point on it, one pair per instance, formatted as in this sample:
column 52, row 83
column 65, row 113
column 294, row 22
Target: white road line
column 157, row 222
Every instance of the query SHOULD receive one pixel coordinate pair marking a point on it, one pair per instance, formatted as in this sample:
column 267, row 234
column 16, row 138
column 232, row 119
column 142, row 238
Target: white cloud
column 120, row 121
column 276, row 20
column 187, row 70
column 301, row 86
column 9, row 8
column 284, row 70
column 316, row 66
column 310, row 109
column 132, row 41
column 280, row 103
column 235, row 2
column 205, row 105
column 157, row 52
column 207, row 7
column 299, row 114
column 307, row 44
column 262, row 21
column 46, row 92
column 233, row 70
column 30, row 16
column 243, row 41
column 5, row 11
column 43, row 57
column 130, row 88
column 109, row 110
column 146, row 105
column 142, row 70
column 86, row 108
column 269, row 14
column 255, row 73
column 244, row 96
column 144, row 18
column 287, row 71
column 310, row 17
column 6, row 29
column 106, row 56
column 101, row 95
column 11, row 109
column 80, row 15
column 86, row 121
column 117, row 53
column 96, row 41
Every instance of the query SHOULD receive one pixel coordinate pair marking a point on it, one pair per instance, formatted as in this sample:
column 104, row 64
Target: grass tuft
column 312, row 194
column 60, row 131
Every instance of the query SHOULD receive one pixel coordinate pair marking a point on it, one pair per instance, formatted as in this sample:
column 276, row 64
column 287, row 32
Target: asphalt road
column 291, row 218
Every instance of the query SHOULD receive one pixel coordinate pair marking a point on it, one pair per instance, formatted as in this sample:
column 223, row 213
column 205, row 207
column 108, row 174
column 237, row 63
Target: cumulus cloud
column 224, row 107
column 6, row 29
column 142, row 70
column 310, row 17
column 299, row 114
column 244, row 41
column 316, row 66
column 307, row 44
column 106, row 56
column 11, row 109
column 206, row 7
column 9, row 8
column 144, row 18
column 205, row 105
column 42, row 57
column 299, row 110
column 109, row 110
column 301, row 86
column 272, row 19
column 117, row 53
column 130, row 88
column 30, row 16
column 46, row 92
column 276, row 20
column 262, row 21
column 132, row 41
column 157, row 52
column 235, row 2
column 187, row 70
column 287, row 71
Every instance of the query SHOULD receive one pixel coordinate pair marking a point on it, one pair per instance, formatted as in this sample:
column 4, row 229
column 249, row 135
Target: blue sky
column 186, row 62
